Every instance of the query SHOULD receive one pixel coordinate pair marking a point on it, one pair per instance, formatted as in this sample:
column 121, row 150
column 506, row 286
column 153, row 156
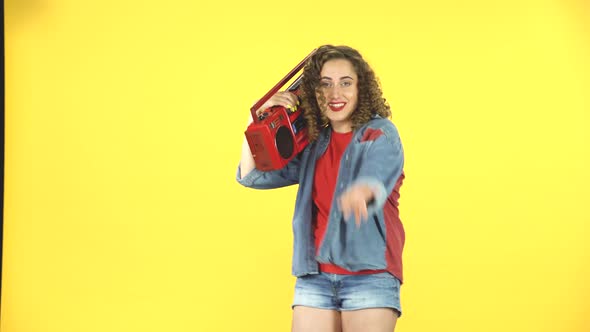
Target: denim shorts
column 348, row 292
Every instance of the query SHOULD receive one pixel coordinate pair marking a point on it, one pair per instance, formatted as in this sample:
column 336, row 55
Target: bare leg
column 306, row 319
column 369, row 320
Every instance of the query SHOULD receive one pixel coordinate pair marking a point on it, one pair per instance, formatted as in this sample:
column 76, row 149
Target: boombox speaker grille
column 284, row 142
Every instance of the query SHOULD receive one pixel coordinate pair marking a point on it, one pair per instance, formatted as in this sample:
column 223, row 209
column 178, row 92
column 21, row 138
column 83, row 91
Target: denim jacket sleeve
column 283, row 177
column 382, row 163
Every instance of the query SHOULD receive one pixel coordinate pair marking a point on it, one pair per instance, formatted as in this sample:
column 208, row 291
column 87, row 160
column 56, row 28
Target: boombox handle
column 279, row 85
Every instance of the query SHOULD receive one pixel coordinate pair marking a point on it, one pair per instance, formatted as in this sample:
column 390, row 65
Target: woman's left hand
column 354, row 202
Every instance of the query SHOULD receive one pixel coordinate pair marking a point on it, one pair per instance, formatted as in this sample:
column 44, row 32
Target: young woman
column 348, row 237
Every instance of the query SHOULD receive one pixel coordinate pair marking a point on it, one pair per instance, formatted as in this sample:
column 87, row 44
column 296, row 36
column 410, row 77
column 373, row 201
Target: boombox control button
column 263, row 116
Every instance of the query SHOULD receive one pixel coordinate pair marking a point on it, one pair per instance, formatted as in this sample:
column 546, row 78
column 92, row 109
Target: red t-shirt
column 324, row 183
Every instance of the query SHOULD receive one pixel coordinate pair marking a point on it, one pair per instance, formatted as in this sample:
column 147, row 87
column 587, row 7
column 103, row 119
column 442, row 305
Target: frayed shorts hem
column 348, row 292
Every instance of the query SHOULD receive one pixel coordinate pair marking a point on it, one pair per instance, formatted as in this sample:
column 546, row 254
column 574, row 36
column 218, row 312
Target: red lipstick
column 336, row 107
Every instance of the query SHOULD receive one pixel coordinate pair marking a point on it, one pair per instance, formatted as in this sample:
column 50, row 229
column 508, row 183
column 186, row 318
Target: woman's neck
column 342, row 128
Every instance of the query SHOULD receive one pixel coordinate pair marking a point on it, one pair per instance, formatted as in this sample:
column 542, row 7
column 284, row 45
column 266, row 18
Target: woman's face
column 338, row 86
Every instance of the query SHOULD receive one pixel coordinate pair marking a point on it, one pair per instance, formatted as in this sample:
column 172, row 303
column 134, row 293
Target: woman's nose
column 334, row 92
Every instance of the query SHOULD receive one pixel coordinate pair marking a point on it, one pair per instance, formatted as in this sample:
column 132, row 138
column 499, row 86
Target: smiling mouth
column 336, row 107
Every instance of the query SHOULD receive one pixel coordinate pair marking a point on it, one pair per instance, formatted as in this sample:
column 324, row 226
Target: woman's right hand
column 282, row 98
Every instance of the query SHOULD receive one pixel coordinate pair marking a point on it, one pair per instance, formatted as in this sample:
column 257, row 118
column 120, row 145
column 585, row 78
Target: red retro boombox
column 278, row 134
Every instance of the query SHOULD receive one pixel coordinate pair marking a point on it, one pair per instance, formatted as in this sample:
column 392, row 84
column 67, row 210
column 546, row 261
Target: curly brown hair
column 370, row 97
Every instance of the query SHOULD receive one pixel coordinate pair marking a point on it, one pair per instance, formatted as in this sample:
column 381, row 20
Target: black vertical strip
column 2, row 152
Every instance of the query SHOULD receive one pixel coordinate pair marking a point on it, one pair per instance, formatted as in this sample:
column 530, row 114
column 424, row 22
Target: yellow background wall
column 124, row 122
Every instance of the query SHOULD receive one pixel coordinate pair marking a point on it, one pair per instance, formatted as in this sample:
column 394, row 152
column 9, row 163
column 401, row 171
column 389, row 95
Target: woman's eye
column 325, row 84
column 346, row 84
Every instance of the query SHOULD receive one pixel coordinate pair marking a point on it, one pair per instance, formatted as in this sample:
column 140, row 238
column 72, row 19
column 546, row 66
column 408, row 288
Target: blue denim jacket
column 373, row 157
